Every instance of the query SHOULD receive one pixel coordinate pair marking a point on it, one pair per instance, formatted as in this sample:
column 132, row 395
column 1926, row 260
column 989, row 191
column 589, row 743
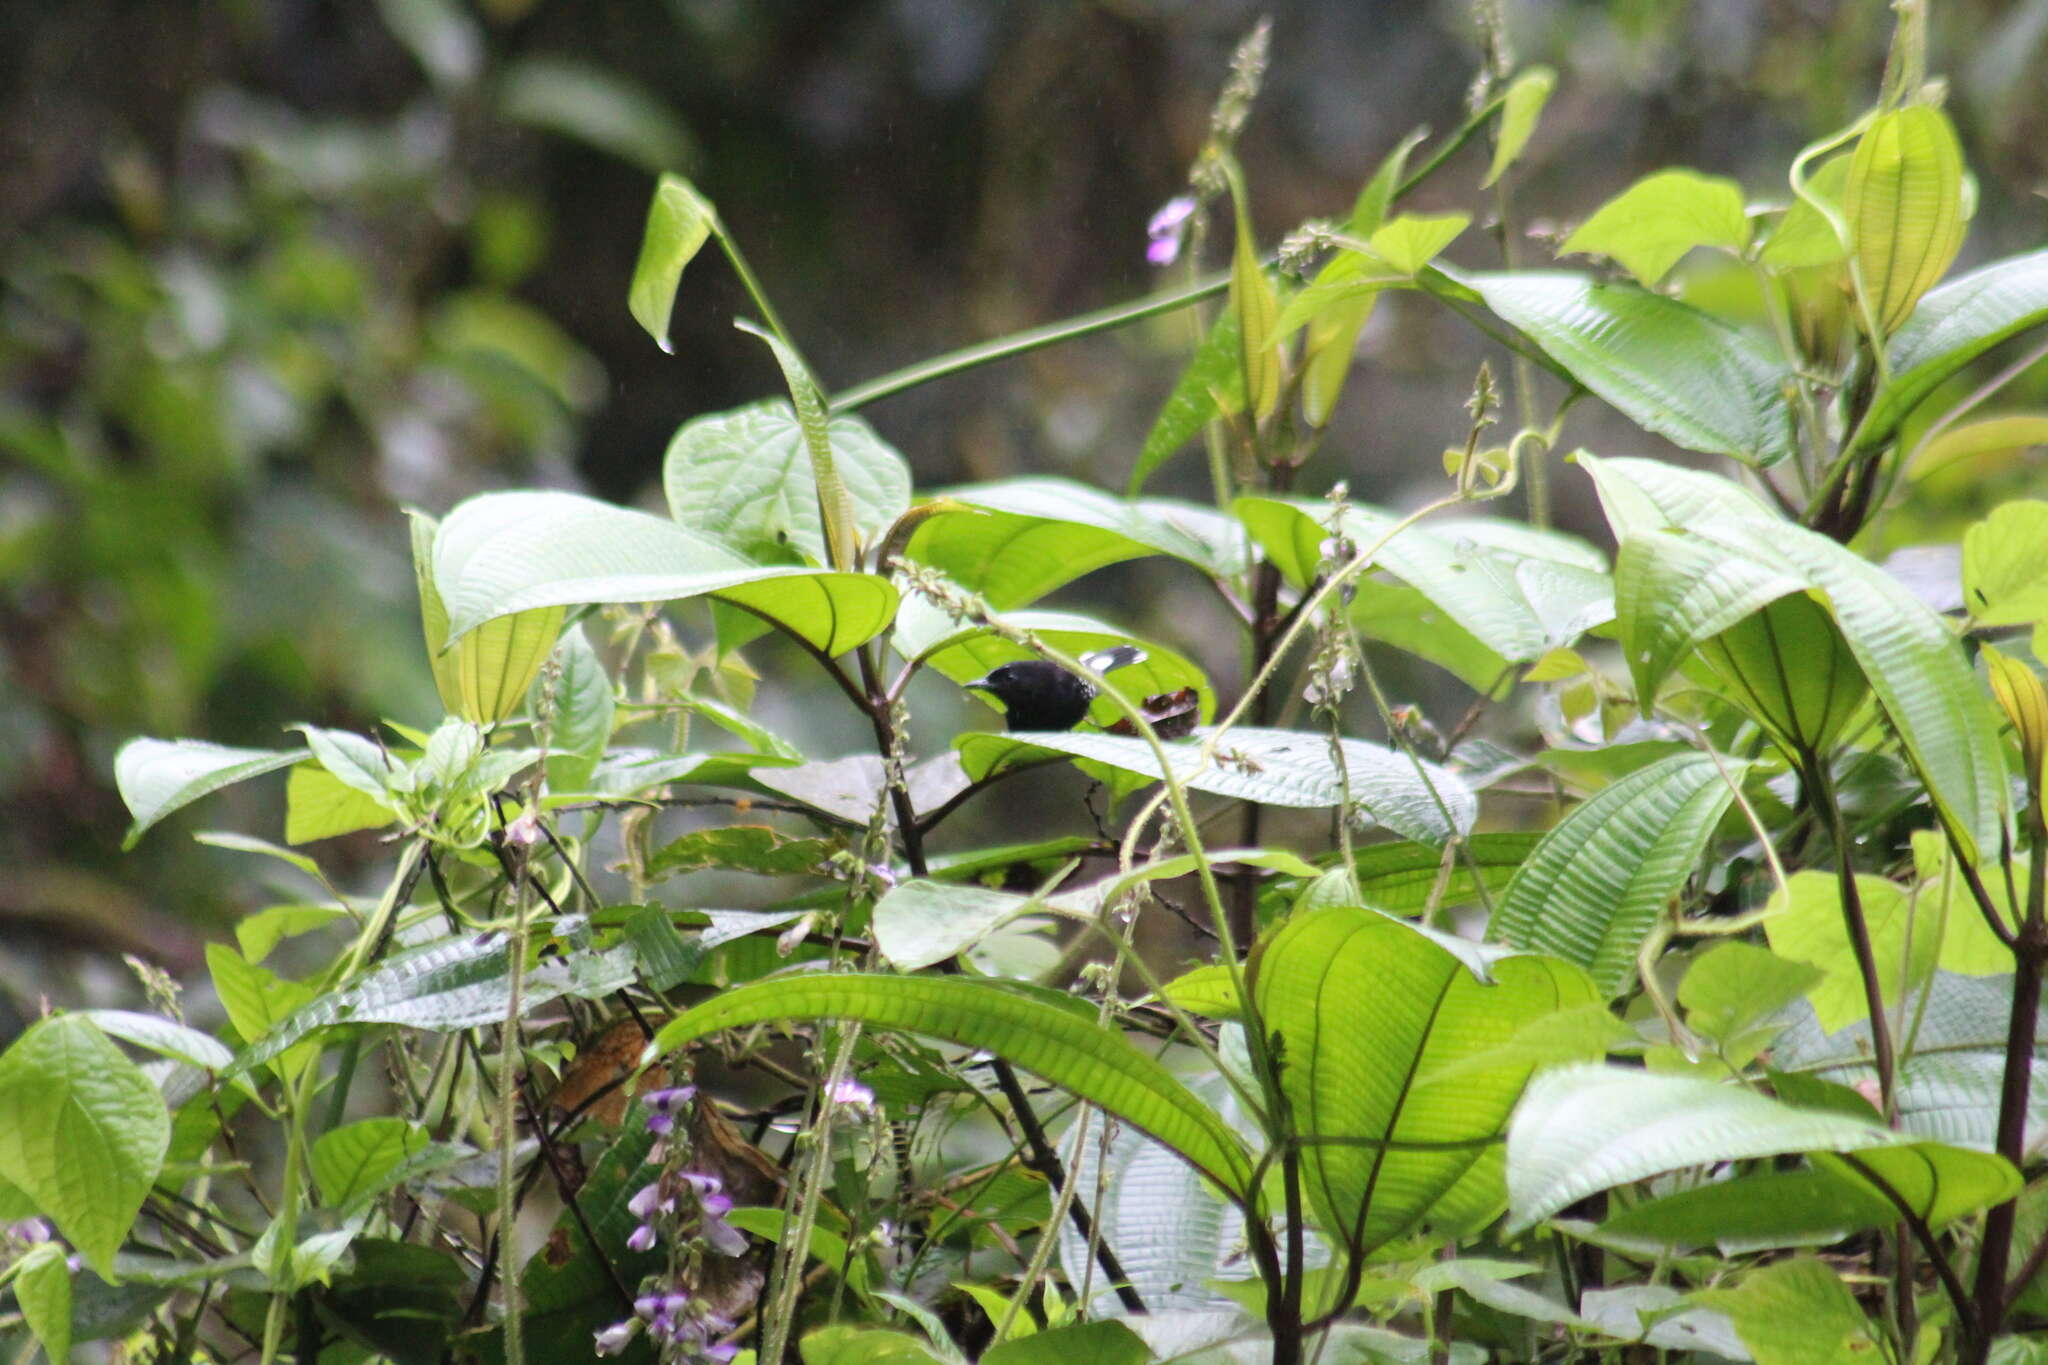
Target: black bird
column 1037, row 695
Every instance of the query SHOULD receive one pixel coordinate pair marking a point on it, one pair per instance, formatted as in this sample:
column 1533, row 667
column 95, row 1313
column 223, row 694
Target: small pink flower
column 852, row 1093
column 1168, row 229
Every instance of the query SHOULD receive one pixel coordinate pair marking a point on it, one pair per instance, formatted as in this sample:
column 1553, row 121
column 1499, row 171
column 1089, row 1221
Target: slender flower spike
column 1168, row 229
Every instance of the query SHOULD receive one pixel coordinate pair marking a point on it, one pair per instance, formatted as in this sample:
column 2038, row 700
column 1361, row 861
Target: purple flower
column 33, row 1231
column 1168, row 229
column 647, row 1306
column 642, row 1238
column 644, row 1204
column 851, row 1093
column 721, row 1236
column 722, row 1352
column 715, row 1205
column 665, row 1103
column 701, row 1184
column 615, row 1338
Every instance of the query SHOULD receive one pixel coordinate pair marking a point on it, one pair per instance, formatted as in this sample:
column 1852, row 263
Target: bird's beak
column 982, row 683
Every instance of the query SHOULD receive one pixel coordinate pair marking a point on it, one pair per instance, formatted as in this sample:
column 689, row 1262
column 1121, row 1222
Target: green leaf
column 1654, row 222
column 1754, row 1211
column 744, row 480
column 162, row 1036
column 355, row 760
column 1962, row 452
column 482, row 677
column 42, row 1289
column 1583, row 1129
column 1206, row 990
column 1213, row 381
column 507, row 552
column 740, row 848
column 1804, row 238
column 845, row 1344
column 835, row 502
column 1272, row 767
column 584, row 711
column 922, row 922
column 1066, row 1049
column 1673, row 591
column 1017, row 540
column 1519, row 592
column 567, row 1298
column 82, row 1132
column 158, row 776
column 1519, row 111
column 1939, row 1182
column 264, row 930
column 678, row 223
column 1904, row 208
column 257, row 999
column 602, row 109
column 1098, row 1343
column 1905, row 649
column 319, row 805
column 1790, row 670
column 1258, row 310
column 359, row 1159
column 1405, row 618
column 1366, row 1008
column 1401, row 877
column 1808, row 927
column 1593, row 889
column 1413, row 240
column 1687, row 375
column 453, row 983
column 1953, row 325
column 1735, row 987
column 2005, row 565
column 1797, row 1312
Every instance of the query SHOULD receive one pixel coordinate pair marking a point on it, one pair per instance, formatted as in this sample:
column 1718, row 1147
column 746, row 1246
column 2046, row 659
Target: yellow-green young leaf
column 1797, row 1312
column 256, row 1000
column 1518, row 115
column 2005, row 566
column 319, row 805
column 1904, row 206
column 1258, row 316
column 1652, row 223
column 42, row 1287
column 1977, row 448
column 1804, row 238
column 497, row 662
column 678, row 222
column 835, row 503
column 1332, row 341
column 1808, row 927
column 2020, row 696
column 1410, row 241
column 1969, row 946
column 82, row 1132
column 1206, row 991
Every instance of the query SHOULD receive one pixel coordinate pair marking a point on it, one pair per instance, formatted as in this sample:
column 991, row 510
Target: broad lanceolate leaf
column 835, row 501
column 484, row 677
column 1583, row 1129
column 158, row 776
column 1593, row 888
column 1272, row 767
column 1953, row 325
column 1257, row 309
column 1064, row 1047
column 82, row 1132
column 1904, row 208
column 1687, row 375
column 1519, row 592
column 584, row 707
column 508, row 552
column 744, row 479
column 678, row 222
column 1212, row 383
column 1017, row 540
column 1790, row 670
column 455, row 983
column 1673, row 590
column 1518, row 115
column 1367, row 1011
column 1654, row 222
column 1905, row 649
column 923, row 922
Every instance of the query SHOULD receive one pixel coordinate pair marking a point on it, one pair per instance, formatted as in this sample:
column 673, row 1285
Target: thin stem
column 738, row 260
column 1821, row 783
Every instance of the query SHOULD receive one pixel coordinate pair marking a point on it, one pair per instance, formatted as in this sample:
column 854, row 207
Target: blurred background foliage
column 270, row 269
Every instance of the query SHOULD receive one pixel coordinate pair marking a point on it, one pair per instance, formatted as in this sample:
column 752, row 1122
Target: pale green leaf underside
column 159, row 776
